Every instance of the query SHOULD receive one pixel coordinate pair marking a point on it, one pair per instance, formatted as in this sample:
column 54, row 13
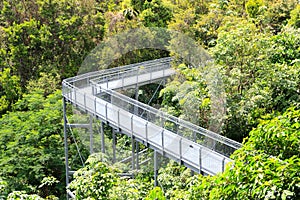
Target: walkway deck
column 197, row 148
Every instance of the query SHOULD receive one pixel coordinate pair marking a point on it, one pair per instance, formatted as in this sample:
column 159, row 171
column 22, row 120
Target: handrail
column 66, row 84
column 168, row 117
column 95, row 79
column 95, row 74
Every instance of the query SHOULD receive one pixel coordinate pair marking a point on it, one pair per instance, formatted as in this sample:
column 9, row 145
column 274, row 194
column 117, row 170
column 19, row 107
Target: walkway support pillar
column 114, row 144
column 133, row 153
column 155, row 168
column 137, row 154
column 91, row 135
column 66, row 143
column 102, row 137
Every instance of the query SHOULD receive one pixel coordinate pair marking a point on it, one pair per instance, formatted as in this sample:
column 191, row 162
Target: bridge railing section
column 114, row 107
column 153, row 126
column 106, row 75
column 134, row 72
column 204, row 137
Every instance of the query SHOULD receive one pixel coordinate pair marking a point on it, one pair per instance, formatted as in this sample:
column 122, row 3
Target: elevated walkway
column 197, row 148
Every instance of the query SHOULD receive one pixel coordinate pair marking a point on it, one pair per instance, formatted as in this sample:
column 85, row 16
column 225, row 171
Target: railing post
column 84, row 99
column 176, row 126
column 200, row 160
column 162, row 120
column 194, row 136
column 106, row 118
column 137, row 75
column 70, row 95
column 162, row 140
column 118, row 118
column 136, row 95
column 131, row 120
column 146, row 131
column 180, row 149
column 95, row 106
column 75, row 96
column 223, row 164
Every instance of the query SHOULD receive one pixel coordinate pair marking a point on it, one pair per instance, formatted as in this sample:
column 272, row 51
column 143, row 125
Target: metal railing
column 196, row 146
column 98, row 77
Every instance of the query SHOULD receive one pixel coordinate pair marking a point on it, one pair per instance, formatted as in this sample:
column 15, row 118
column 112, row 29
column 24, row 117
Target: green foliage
column 94, row 181
column 277, row 14
column 155, row 14
column 173, row 178
column 10, row 90
column 48, row 36
column 256, row 174
column 285, row 47
column 46, row 82
column 282, row 133
column 155, row 194
column 126, row 188
column 253, row 7
column 31, row 144
column 260, row 74
column 187, row 96
column 295, row 17
column 18, row 195
column 44, row 41
column 3, row 188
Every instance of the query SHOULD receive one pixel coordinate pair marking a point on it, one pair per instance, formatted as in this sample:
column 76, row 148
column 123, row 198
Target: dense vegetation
column 255, row 45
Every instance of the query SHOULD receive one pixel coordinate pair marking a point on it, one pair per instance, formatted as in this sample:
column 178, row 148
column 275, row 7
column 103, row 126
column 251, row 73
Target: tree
column 48, row 36
column 295, row 17
column 155, row 14
column 94, row 181
column 155, row 194
column 173, row 179
column 263, row 168
column 10, row 90
column 31, row 144
column 187, row 96
column 253, row 7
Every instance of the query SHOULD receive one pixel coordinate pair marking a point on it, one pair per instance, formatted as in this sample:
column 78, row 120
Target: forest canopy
column 254, row 45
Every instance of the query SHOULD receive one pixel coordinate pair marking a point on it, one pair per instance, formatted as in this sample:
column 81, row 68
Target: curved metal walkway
column 195, row 147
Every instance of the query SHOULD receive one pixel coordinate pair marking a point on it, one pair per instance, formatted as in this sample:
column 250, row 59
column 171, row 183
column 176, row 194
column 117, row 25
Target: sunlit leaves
column 295, row 17
column 94, row 180
column 10, row 89
column 279, row 136
column 31, row 143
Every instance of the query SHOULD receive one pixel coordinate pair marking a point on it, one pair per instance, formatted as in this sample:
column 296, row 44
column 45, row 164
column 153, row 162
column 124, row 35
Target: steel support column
column 102, row 137
column 155, row 168
column 135, row 145
column 133, row 153
column 91, row 135
column 137, row 154
column 136, row 96
column 66, row 143
column 114, row 144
